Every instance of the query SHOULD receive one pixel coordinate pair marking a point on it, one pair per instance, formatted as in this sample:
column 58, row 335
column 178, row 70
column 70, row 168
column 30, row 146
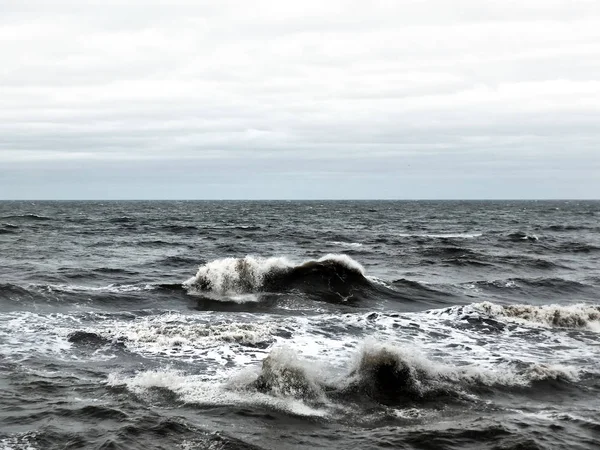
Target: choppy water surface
column 299, row 325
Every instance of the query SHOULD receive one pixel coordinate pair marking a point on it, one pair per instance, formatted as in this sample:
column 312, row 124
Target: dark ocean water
column 300, row 325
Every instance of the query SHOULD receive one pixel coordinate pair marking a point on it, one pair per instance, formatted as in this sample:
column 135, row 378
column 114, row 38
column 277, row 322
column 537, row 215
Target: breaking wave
column 388, row 375
column 565, row 316
column 392, row 374
column 378, row 374
column 333, row 276
column 560, row 316
column 283, row 374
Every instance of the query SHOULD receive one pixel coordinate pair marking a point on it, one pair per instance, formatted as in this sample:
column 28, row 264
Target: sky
column 327, row 99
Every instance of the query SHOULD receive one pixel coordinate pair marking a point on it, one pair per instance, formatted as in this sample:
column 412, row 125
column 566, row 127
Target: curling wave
column 333, row 276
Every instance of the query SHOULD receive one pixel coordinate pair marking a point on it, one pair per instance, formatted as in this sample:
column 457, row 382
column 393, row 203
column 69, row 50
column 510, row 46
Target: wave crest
column 388, row 373
column 283, row 374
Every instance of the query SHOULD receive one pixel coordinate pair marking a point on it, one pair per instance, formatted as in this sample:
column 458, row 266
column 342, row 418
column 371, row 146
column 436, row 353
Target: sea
column 300, row 325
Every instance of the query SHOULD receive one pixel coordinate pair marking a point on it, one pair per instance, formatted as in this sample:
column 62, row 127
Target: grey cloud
column 405, row 99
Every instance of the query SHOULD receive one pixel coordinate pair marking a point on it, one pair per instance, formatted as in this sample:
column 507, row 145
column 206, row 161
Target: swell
column 528, row 262
column 100, row 273
column 27, row 217
column 106, row 427
column 557, row 227
column 9, row 291
column 450, row 251
column 178, row 261
column 120, row 296
column 578, row 247
column 489, row 261
column 123, row 219
column 179, row 229
column 420, row 295
column 541, row 288
column 460, row 256
column 8, row 228
column 470, row 435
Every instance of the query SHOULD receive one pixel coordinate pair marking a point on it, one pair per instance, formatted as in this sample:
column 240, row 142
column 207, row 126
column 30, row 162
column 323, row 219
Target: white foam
column 194, row 389
column 194, row 337
column 113, row 288
column 18, row 442
column 564, row 316
column 23, row 333
column 347, row 244
column 229, row 275
column 436, row 373
column 292, row 381
column 233, row 297
column 218, row 347
column 439, row 334
column 381, row 282
column 288, row 375
column 410, row 413
column 443, row 235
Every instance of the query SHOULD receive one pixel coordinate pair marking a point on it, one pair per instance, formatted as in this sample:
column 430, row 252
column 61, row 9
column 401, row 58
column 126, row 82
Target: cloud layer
column 312, row 99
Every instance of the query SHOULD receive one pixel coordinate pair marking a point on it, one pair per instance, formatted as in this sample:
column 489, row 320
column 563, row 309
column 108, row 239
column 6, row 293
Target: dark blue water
column 284, row 325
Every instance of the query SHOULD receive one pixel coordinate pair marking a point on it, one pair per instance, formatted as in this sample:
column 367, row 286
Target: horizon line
column 290, row 199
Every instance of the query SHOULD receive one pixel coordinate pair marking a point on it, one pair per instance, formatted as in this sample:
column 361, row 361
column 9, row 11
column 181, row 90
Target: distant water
column 300, row 325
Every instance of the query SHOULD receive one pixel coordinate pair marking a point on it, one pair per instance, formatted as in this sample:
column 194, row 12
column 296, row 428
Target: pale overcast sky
column 299, row 99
